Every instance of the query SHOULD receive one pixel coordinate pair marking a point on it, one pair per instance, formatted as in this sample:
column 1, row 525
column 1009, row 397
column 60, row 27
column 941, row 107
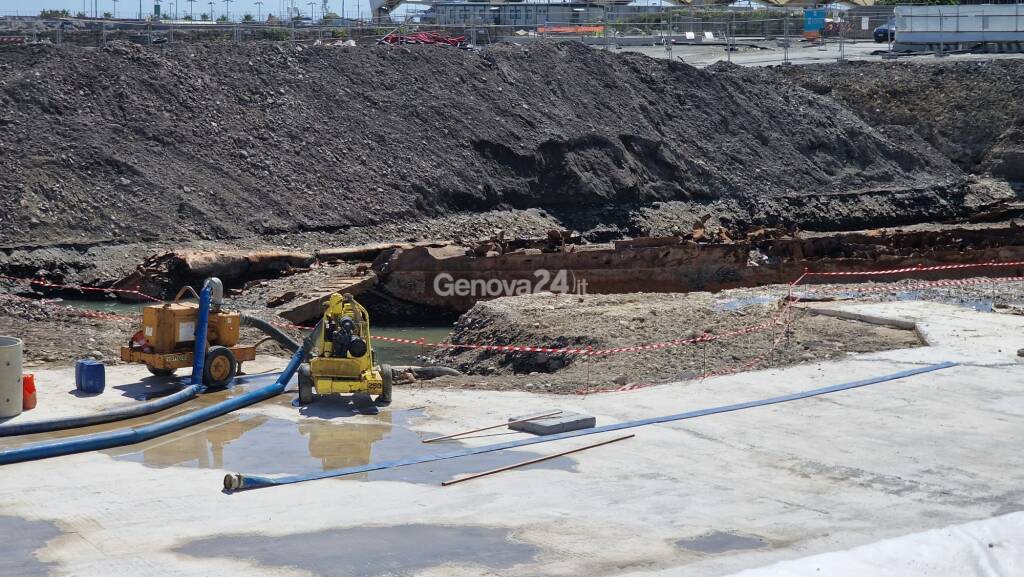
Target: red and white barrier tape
column 47, row 284
column 783, row 319
column 709, row 337
column 706, row 338
column 786, row 317
column 893, row 287
column 918, row 268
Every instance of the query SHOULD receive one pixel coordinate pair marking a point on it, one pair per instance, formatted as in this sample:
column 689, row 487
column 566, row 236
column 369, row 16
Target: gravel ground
column 54, row 335
column 604, row 321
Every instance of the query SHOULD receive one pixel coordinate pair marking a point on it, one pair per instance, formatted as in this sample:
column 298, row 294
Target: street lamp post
column 191, row 9
column 212, row 19
column 259, row 11
column 227, row 10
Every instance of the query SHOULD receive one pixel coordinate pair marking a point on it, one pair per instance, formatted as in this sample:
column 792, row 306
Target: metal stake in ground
column 588, row 367
column 704, row 355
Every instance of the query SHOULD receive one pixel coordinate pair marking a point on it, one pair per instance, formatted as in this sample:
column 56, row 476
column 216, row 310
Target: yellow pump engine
column 343, row 360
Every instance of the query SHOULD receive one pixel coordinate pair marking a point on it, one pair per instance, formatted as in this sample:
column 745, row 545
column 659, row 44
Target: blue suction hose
column 120, row 414
column 74, row 422
column 132, row 435
column 199, row 355
column 190, row 392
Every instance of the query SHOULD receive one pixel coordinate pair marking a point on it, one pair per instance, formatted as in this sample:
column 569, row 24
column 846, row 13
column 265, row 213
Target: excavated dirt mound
column 611, row 321
column 973, row 112
column 126, row 144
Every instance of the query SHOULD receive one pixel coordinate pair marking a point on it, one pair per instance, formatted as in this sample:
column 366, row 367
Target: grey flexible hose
column 271, row 331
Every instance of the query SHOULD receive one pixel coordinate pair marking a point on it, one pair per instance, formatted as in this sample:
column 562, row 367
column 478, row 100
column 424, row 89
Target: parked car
column 886, row 32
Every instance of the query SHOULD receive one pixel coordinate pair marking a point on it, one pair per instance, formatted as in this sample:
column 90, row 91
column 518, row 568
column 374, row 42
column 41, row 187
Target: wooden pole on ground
column 532, row 461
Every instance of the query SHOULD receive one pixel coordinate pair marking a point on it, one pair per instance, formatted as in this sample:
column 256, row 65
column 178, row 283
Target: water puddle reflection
column 263, row 445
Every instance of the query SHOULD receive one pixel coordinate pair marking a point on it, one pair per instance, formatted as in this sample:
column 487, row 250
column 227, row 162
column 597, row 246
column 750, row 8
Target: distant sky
column 130, row 8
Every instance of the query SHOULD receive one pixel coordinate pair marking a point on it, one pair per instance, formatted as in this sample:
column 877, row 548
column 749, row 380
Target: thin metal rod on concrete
column 431, row 440
column 532, row 461
column 239, row 482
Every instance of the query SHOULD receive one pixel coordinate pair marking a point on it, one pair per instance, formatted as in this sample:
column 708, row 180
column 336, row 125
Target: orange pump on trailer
column 168, row 334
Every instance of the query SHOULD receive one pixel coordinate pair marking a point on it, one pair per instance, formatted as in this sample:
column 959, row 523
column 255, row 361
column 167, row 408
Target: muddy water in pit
column 390, row 353
column 405, row 354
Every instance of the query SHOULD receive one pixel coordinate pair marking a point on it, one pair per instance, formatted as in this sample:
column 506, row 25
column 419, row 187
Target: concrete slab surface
column 702, row 497
column 560, row 423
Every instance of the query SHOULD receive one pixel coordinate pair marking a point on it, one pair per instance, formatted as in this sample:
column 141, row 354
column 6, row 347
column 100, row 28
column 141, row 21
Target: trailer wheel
column 305, row 385
column 220, row 367
column 159, row 372
column 384, row 398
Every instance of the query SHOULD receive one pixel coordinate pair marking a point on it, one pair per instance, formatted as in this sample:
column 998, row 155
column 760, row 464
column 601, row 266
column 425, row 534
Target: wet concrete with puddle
column 151, row 388
column 372, row 551
column 721, row 542
column 21, row 539
column 331, row 435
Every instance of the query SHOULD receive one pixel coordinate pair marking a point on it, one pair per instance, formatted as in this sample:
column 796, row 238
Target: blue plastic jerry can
column 90, row 376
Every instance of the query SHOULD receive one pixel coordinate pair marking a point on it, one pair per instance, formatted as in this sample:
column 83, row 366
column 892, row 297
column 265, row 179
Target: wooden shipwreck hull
column 453, row 278
column 163, row 274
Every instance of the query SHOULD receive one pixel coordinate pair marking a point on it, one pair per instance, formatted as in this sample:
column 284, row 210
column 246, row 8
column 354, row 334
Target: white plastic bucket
column 10, row 377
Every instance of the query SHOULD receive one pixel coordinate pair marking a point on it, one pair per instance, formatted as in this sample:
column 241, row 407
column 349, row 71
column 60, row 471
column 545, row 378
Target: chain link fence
column 696, row 35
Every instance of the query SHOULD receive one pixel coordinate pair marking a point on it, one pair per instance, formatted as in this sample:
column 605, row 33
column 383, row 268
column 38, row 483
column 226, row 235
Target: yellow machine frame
column 345, row 375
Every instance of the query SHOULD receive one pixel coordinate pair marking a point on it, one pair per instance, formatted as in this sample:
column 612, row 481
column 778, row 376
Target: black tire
column 386, row 375
column 305, row 385
column 220, row 367
column 159, row 372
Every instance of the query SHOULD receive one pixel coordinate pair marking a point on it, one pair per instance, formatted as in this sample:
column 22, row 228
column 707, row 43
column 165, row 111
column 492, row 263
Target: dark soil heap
column 126, row 144
column 972, row 112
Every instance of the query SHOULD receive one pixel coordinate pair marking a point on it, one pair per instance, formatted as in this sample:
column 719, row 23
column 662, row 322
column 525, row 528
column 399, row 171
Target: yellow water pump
column 343, row 360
